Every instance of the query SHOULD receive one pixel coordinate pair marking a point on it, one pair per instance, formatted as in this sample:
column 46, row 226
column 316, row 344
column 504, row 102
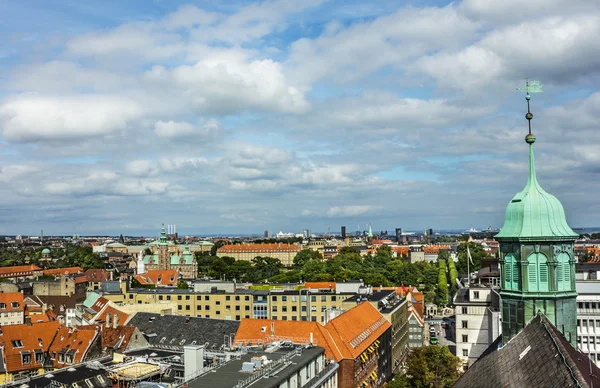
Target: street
column 445, row 335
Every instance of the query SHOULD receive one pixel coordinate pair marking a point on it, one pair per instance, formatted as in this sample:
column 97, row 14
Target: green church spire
column 536, row 254
column 163, row 236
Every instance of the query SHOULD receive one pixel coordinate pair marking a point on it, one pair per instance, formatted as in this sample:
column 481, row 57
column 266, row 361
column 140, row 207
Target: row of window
column 588, row 305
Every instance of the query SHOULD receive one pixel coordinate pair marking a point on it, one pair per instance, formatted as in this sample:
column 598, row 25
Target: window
column 284, row 298
column 313, row 318
column 465, row 338
column 246, row 298
column 187, row 297
column 17, row 343
column 218, row 312
column 563, row 272
column 2, row 305
column 237, row 308
column 313, row 298
column 511, row 272
column 26, row 358
column 274, row 308
column 333, row 298
column 274, row 317
column 237, row 298
column 179, row 307
column 206, row 307
column 206, row 297
column 284, row 309
column 323, row 298
column 465, row 324
column 313, row 309
column 168, row 297
column 537, row 272
column 178, row 297
column 160, row 297
column 274, row 298
column 584, row 323
column 303, row 308
column 237, row 317
column 39, row 357
column 14, row 305
column 187, row 307
column 475, row 294
column 218, row 303
column 89, row 383
column 465, row 310
column 294, row 309
column 227, row 297
column 465, row 352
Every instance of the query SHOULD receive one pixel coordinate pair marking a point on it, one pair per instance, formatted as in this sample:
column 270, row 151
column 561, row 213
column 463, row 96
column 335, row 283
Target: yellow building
column 284, row 252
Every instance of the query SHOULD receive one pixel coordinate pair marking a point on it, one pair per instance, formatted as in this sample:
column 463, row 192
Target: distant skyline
column 238, row 116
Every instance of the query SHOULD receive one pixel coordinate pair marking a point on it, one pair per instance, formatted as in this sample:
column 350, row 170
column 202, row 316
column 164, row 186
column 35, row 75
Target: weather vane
column 530, row 87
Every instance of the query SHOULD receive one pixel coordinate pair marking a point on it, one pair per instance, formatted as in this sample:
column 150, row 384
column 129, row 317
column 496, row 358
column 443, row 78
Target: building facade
column 165, row 258
column 477, row 322
column 588, row 318
column 283, row 252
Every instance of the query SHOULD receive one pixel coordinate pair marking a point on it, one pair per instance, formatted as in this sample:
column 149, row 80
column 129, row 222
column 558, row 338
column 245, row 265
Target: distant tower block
column 399, row 235
column 343, row 232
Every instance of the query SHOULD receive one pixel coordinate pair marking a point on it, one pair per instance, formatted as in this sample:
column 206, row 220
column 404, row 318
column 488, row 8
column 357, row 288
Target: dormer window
column 15, row 305
column 26, row 358
column 2, row 305
column 17, row 343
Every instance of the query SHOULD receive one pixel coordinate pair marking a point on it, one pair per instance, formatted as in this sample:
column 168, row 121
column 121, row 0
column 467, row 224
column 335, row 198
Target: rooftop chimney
column 193, row 361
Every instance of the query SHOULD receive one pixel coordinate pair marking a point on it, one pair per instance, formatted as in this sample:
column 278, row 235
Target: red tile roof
column 68, row 339
column 18, row 270
column 320, row 285
column 11, row 301
column 357, row 329
column 99, row 304
column 62, row 271
column 97, row 275
column 258, row 331
column 102, row 317
column 17, row 339
column 435, row 248
column 346, row 336
column 259, row 248
column 159, row 277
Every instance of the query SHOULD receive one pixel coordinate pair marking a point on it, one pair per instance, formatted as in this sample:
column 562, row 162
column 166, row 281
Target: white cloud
column 31, row 117
column 228, row 82
column 350, row 211
column 205, row 129
column 105, row 183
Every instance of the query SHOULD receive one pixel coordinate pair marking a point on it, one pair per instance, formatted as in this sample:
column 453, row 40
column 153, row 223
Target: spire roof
column 163, row 237
column 534, row 214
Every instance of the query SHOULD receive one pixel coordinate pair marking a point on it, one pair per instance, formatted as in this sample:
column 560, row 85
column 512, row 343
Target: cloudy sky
column 225, row 117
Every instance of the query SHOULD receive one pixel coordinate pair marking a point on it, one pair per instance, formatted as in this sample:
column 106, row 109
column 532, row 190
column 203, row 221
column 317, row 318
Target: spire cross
column 530, row 87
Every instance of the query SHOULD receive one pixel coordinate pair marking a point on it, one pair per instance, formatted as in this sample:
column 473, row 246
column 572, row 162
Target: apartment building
column 284, row 252
column 12, row 309
column 588, row 318
column 477, row 321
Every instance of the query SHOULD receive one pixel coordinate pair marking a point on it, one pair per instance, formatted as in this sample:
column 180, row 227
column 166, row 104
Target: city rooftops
column 376, row 296
column 232, row 373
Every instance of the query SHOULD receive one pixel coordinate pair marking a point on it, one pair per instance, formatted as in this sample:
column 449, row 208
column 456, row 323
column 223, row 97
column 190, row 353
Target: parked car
column 433, row 340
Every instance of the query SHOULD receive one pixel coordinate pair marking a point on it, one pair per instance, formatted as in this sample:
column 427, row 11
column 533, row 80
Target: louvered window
column 508, row 273
column 532, row 279
column 537, row 272
column 563, row 272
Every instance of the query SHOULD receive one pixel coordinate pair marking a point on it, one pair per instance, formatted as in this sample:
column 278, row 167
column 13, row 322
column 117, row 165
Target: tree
column 182, row 285
column 311, row 269
column 432, row 366
column 266, row 266
column 306, row 255
column 442, row 289
column 453, row 272
column 216, row 246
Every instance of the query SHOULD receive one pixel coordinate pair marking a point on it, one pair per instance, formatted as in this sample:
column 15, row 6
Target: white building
column 477, row 321
column 588, row 318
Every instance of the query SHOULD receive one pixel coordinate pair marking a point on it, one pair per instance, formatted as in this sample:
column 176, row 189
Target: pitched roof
column 102, row 316
column 11, row 301
column 173, row 329
column 117, row 338
column 259, row 330
column 538, row 356
column 99, row 304
column 167, row 277
column 18, row 270
column 357, row 328
column 75, row 342
column 62, row 271
column 19, row 339
column 413, row 312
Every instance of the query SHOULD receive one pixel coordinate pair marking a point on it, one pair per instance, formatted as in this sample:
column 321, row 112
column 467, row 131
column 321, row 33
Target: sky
column 239, row 116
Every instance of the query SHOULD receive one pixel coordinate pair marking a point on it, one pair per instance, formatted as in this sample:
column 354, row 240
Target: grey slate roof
column 539, row 356
column 178, row 330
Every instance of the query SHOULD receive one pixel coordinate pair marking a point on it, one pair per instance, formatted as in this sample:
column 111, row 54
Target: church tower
column 536, row 255
column 164, row 258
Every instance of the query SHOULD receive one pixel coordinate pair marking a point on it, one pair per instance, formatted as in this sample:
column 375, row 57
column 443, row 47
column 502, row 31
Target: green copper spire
column 537, row 265
column 163, row 236
column 533, row 213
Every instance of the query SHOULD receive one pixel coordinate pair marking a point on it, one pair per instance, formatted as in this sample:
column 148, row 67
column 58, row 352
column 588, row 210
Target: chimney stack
column 193, row 361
